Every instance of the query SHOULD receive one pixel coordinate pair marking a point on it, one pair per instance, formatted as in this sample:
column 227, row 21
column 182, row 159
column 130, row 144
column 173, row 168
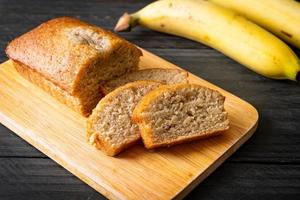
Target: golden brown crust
column 113, row 151
column 146, row 130
column 92, row 135
column 51, row 88
column 50, row 50
column 104, row 90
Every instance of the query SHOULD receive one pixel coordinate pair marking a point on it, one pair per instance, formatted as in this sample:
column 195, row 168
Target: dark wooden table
column 266, row 167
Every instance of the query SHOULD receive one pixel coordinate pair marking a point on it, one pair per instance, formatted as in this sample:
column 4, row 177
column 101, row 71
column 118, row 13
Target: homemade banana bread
column 70, row 59
column 166, row 76
column 109, row 127
column 172, row 114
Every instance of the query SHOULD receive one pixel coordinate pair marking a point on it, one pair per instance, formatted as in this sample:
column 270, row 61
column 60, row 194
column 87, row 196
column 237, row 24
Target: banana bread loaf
column 70, row 59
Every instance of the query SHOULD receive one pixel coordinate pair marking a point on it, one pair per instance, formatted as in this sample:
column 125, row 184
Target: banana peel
column 222, row 29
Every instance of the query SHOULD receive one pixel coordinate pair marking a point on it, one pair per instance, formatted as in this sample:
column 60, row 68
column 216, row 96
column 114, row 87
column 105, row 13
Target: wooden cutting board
column 166, row 173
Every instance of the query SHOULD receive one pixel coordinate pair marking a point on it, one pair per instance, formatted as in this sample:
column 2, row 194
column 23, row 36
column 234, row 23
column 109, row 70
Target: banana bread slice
column 73, row 59
column 109, row 127
column 172, row 114
column 166, row 76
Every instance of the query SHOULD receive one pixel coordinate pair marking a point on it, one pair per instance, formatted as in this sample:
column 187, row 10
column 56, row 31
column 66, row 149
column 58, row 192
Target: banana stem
column 126, row 22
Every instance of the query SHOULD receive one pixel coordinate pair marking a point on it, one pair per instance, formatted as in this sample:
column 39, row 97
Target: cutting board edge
column 201, row 177
column 10, row 124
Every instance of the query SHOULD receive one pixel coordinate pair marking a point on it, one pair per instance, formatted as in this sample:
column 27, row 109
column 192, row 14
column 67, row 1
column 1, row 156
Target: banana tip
column 123, row 23
column 298, row 77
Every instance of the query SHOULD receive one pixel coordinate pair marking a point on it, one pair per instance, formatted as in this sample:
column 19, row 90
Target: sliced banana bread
column 166, row 76
column 109, row 127
column 69, row 59
column 172, row 114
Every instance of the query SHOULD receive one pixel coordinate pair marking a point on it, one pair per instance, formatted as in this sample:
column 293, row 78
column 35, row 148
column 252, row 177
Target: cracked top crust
column 62, row 49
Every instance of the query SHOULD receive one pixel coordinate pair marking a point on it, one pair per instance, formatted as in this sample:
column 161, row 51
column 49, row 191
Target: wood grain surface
column 266, row 167
column 137, row 173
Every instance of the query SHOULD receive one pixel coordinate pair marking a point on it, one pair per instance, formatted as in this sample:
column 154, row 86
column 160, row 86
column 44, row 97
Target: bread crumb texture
column 182, row 111
column 110, row 123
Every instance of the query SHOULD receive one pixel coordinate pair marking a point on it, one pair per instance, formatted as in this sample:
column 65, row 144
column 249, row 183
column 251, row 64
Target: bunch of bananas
column 224, row 25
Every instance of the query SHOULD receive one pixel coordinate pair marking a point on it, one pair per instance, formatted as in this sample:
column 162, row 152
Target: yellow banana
column 221, row 29
column 282, row 17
